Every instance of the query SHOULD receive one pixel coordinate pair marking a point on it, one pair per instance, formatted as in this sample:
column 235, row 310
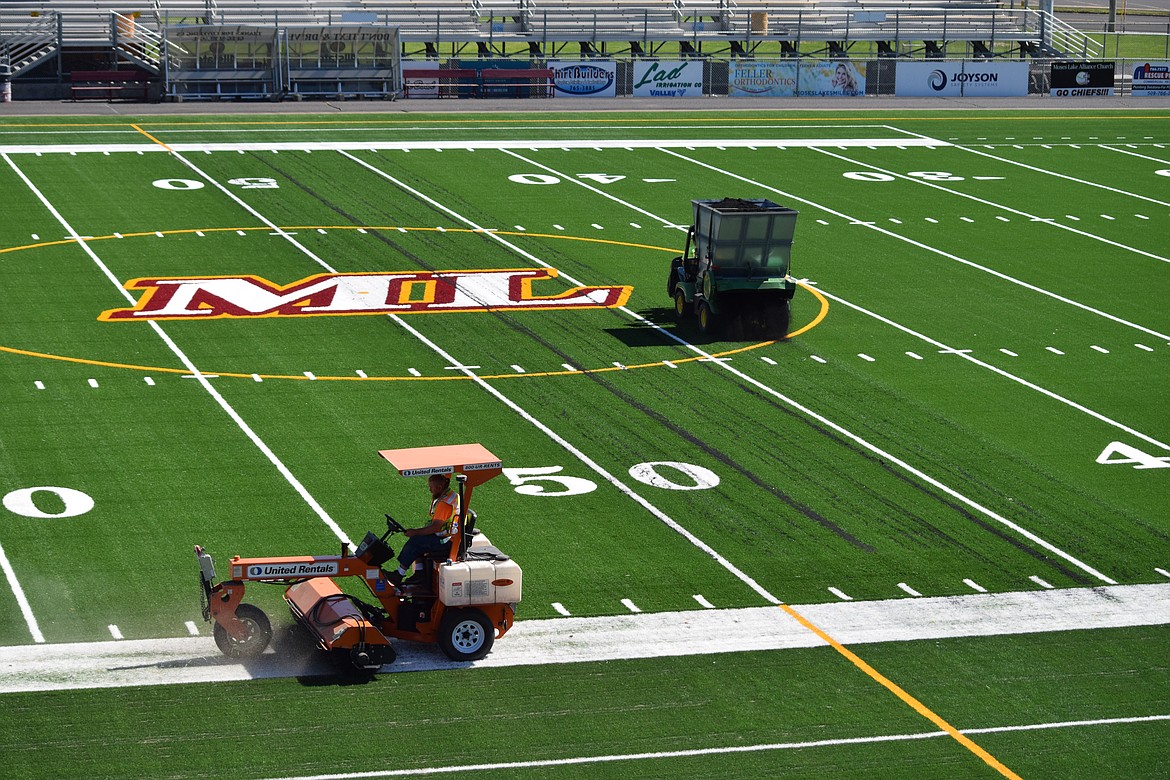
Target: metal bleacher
column 89, row 22
column 36, row 33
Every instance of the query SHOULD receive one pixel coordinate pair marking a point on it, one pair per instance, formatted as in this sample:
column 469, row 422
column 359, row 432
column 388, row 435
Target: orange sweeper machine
column 462, row 603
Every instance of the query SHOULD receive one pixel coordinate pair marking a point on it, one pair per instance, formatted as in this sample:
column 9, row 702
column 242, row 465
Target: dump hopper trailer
column 733, row 274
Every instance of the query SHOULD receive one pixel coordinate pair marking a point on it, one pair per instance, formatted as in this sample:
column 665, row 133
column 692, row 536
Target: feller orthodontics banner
column 834, row 78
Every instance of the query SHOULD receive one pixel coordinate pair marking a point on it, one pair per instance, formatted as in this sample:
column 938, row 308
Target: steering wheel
column 394, row 526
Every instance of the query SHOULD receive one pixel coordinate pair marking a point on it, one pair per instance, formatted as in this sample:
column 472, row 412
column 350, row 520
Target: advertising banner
column 668, row 79
column 761, row 79
column 1081, row 79
column 834, row 78
column 583, row 79
column 1151, row 80
column 961, row 79
column 421, row 80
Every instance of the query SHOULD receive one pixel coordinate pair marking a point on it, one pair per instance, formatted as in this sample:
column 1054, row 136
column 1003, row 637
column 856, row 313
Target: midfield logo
column 218, row 297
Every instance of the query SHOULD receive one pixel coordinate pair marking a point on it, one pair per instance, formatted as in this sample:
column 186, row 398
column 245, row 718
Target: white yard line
column 1158, row 160
column 560, row 640
column 469, row 145
column 1066, row 177
column 966, row 355
column 186, row 361
column 720, row 751
column 30, row 619
column 917, row 244
column 1025, row 214
column 987, row 512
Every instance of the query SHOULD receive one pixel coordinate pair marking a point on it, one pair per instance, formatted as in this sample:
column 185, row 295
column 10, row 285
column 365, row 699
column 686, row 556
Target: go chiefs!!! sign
column 204, row 298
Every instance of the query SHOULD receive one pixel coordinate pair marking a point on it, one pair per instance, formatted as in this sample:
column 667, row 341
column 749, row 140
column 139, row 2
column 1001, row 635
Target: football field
column 925, row 535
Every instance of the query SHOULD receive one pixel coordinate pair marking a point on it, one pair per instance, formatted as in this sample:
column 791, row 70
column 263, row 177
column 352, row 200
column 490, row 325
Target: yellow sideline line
column 151, row 137
column 898, row 691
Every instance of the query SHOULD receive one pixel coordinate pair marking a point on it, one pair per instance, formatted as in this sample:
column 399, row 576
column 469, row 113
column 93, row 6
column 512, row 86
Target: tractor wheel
column 466, row 634
column 708, row 322
column 778, row 315
column 672, row 280
column 259, row 634
column 680, row 305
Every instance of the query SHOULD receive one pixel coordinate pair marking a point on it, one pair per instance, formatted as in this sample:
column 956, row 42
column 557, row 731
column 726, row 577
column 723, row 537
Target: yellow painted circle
column 821, row 314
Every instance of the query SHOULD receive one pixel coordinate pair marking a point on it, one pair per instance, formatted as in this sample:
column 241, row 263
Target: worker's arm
column 433, row 528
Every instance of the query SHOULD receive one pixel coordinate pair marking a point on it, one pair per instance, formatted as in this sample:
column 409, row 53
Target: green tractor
column 733, row 273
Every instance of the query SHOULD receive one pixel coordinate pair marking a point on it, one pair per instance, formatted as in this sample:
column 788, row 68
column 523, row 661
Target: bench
column 489, row 82
column 451, row 81
column 109, row 85
column 510, row 81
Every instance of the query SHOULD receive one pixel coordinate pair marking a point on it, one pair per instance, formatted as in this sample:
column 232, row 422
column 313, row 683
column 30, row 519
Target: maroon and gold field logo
column 412, row 292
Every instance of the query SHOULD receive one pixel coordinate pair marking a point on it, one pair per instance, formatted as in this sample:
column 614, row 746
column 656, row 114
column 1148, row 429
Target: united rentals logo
column 220, row 297
column 288, row 570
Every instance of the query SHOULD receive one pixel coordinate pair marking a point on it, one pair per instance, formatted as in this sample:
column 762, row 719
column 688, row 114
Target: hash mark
column 559, row 607
column 413, row 372
column 361, row 373
column 1144, row 347
column 866, row 357
column 631, row 606
column 192, row 629
column 149, row 381
column 1041, row 583
column 703, row 602
column 1102, row 350
column 908, row 589
column 973, row 585
column 114, row 631
column 1054, row 350
column 257, row 378
column 517, row 369
column 1163, row 572
column 768, row 360
column 569, row 367
column 93, row 383
column 914, row 355
column 840, row 595
column 818, row 359
column 39, row 385
column 1008, row 352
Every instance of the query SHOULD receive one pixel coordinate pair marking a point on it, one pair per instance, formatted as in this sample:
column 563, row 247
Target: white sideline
column 714, row 751
column 421, row 145
column 192, row 659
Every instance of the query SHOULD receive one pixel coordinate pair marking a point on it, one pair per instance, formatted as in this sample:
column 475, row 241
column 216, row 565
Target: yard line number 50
column 665, row 474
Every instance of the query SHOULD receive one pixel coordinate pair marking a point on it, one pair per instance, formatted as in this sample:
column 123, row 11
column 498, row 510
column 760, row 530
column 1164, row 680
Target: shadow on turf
column 645, row 334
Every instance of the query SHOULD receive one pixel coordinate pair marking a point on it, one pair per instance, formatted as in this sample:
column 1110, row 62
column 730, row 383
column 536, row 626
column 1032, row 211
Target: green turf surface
column 627, row 708
column 995, row 322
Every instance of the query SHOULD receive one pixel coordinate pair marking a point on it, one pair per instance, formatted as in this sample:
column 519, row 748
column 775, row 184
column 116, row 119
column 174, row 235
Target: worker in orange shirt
column 436, row 537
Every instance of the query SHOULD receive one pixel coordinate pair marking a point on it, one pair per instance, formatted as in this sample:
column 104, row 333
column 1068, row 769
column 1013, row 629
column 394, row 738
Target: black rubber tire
column 681, row 309
column 672, row 280
column 259, row 634
column 466, row 634
column 708, row 322
column 778, row 316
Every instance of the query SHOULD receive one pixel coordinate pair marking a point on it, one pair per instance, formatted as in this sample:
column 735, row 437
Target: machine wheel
column 778, row 315
column 259, row 634
column 466, row 634
column 680, row 304
column 708, row 322
column 672, row 280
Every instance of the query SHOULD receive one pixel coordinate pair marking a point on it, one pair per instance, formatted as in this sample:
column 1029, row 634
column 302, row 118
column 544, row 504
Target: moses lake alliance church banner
column 834, row 78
